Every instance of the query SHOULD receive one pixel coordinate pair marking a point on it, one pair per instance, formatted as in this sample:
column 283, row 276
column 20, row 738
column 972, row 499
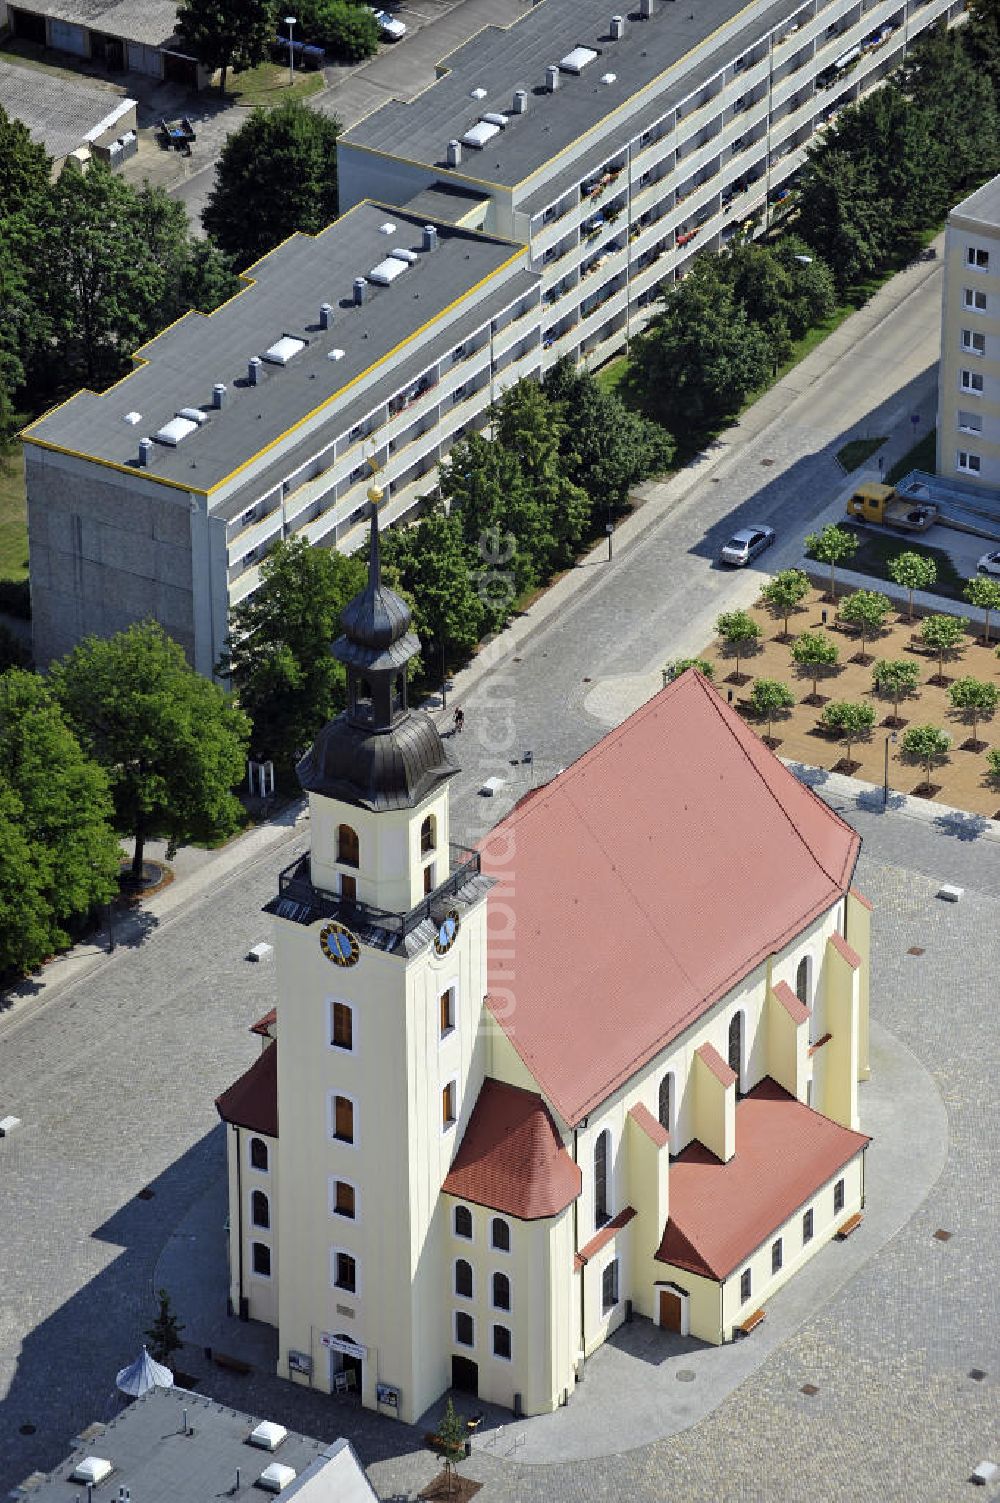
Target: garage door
column 28, row 26
column 145, row 60
column 65, row 37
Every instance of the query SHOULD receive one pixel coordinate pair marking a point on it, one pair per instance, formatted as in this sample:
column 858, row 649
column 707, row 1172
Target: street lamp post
column 610, row 530
column 290, row 22
column 885, row 779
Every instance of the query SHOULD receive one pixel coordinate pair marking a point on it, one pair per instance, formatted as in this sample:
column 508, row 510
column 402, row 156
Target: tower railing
column 295, row 883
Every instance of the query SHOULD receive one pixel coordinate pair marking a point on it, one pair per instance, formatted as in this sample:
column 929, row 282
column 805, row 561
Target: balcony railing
column 295, row 885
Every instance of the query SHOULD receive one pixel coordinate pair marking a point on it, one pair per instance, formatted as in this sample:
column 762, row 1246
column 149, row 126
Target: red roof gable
column 723, row 1072
column 796, row 1009
column 721, row 1213
column 840, row 944
column 643, row 1117
column 512, row 1158
column 264, row 1025
column 252, row 1101
column 603, row 1237
column 644, row 882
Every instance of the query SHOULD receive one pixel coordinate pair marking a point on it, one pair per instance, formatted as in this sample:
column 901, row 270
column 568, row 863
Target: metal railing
column 295, row 883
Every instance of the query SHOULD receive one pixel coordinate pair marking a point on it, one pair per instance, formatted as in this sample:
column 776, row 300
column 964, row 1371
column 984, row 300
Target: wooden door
column 670, row 1310
column 465, row 1375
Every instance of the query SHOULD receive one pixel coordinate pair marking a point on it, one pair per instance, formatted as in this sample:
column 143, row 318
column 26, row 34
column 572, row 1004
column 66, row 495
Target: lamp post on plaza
column 885, row 780
column 290, row 22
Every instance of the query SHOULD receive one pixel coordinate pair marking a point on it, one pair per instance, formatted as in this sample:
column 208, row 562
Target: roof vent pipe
column 325, row 315
column 219, row 394
column 253, row 369
column 430, row 241
column 145, row 450
column 520, row 105
column 454, row 153
column 360, row 291
column 617, row 28
column 552, row 77
column 645, row 9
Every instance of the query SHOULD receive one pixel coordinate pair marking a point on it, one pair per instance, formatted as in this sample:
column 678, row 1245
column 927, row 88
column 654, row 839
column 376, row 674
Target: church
column 604, row 1066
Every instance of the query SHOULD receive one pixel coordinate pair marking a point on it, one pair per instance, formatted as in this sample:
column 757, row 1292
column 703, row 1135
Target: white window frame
column 963, row 462
column 966, row 378
column 254, row 1272
column 967, row 421
column 500, row 1310
column 454, row 1278
column 452, row 1123
column 347, row 1252
column 331, row 1119
column 470, row 1239
column 493, row 1246
column 250, row 1164
column 332, row 1183
column 449, row 1033
column 339, row 1048
column 498, row 1356
column 971, row 254
column 465, row 1346
column 974, row 300
column 969, row 342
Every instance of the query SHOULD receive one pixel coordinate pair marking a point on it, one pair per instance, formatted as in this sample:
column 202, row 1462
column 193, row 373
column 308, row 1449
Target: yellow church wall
column 788, row 1062
column 859, row 936
column 835, row 1064
column 648, row 1184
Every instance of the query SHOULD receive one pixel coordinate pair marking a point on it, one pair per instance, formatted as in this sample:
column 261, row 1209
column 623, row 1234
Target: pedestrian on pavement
column 459, row 721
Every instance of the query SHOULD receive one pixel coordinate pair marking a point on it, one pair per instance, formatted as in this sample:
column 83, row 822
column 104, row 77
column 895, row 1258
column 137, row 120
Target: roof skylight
column 284, row 349
column 577, row 60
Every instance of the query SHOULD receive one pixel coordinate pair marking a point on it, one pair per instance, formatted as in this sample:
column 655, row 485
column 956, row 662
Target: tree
column 703, row 666
column 814, row 653
column 348, row 31
column 912, row 571
column 172, row 744
column 812, row 289
column 955, row 89
column 833, row 546
column 896, row 677
column 984, row 593
column 740, row 632
column 434, row 567
column 532, row 428
column 761, row 283
column 852, row 722
column 501, row 520
column 867, row 610
column 993, row 764
column 24, row 166
column 277, row 655
column 165, row 1332
column 943, row 635
column 926, row 744
column 13, row 653
column 982, row 39
column 840, row 213
column 275, row 175
column 451, row 1436
column 975, row 698
column 55, row 810
column 784, row 592
column 227, row 34
column 769, row 697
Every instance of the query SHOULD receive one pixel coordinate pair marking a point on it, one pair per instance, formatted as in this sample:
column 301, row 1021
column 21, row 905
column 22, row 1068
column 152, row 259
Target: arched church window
column 665, row 1103
column 260, row 1209
column 348, row 846
column 802, row 981
column 736, row 1047
column 601, row 1213
column 428, row 835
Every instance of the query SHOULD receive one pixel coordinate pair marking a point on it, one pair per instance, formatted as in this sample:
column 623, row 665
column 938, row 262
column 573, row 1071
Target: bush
column 348, row 32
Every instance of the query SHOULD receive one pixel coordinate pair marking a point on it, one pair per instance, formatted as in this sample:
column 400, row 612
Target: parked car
column 390, row 26
column 745, row 545
column 989, row 563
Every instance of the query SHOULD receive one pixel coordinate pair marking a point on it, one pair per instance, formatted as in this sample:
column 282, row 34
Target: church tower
column 380, row 948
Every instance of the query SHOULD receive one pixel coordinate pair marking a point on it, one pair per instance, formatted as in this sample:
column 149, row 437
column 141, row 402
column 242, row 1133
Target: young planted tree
column 943, row 635
column 912, row 571
column 451, row 1438
column 977, row 699
column 740, row 633
column 867, row 610
column 814, row 653
column 770, row 697
column 833, row 546
column 851, row 722
column 172, row 744
column 165, row 1332
column 703, row 666
column 897, row 678
column 926, row 744
column 984, row 593
column 993, row 765
column 784, row 592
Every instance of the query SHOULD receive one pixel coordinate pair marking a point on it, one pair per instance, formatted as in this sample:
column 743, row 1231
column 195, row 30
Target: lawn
column 876, row 549
column 962, row 781
column 267, row 85
column 853, row 455
column 923, row 456
column 13, row 519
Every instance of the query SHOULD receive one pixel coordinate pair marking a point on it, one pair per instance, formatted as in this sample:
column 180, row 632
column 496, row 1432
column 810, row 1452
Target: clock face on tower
column 447, row 932
column 339, row 944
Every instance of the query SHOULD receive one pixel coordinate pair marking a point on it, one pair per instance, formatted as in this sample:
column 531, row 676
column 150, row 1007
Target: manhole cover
column 145, row 1194
column 976, row 1374
column 942, row 1235
column 27, row 1429
column 766, row 463
column 685, row 1375
column 810, row 1389
column 915, row 950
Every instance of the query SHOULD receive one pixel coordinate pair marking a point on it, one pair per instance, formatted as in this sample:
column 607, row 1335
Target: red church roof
column 252, row 1101
column 512, row 1158
column 643, row 883
column 721, row 1213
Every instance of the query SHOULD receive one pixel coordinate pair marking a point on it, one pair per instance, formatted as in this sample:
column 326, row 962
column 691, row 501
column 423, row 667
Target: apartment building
column 617, row 146
column 968, row 431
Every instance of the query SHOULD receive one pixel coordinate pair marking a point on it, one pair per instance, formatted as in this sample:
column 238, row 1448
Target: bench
column 850, row 1225
column 751, row 1323
column 234, row 1364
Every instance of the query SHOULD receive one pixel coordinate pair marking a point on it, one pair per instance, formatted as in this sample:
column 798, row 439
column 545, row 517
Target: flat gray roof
column 153, row 22
column 158, row 1463
column 501, row 60
column 184, row 362
column 448, row 201
column 983, row 205
column 57, row 112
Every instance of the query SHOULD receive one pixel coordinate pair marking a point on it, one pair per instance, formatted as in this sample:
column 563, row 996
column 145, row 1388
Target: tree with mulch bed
column 867, row 610
column 984, row 593
column 928, row 745
column 814, row 653
column 912, row 571
column 703, row 666
column 770, row 697
column 943, row 635
column 784, row 593
column 852, row 723
column 741, row 636
column 833, row 546
column 978, row 700
column 897, row 678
